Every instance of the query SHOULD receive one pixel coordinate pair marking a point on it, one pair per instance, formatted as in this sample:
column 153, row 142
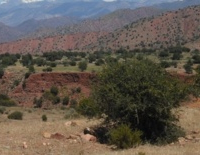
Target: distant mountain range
column 15, row 12
column 179, row 27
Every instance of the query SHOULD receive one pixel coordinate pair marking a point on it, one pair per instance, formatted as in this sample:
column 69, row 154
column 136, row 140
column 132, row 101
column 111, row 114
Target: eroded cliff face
column 37, row 84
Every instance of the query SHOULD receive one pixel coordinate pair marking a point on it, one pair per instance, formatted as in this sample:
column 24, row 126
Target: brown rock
column 189, row 137
column 182, row 140
column 70, row 123
column 88, row 137
column 25, row 146
column 46, row 135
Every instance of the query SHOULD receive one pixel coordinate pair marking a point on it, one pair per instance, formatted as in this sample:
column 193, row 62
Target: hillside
column 8, row 33
column 61, row 42
column 45, row 24
column 108, row 23
column 172, row 28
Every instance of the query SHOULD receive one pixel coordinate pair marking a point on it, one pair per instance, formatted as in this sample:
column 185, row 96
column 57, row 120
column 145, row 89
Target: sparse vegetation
column 6, row 101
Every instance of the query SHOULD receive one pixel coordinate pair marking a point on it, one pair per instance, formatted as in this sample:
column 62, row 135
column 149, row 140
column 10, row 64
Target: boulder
column 88, row 138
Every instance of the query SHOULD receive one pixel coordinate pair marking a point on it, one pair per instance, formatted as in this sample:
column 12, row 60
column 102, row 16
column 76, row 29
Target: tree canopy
column 142, row 95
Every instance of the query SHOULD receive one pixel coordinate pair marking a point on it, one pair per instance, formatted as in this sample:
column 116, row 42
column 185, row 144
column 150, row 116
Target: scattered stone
column 44, row 144
column 25, row 146
column 57, row 136
column 70, row 123
column 73, row 141
column 182, row 140
column 46, row 135
column 189, row 137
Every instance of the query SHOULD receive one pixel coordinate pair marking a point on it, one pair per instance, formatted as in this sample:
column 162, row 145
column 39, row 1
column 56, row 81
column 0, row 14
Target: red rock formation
column 36, row 84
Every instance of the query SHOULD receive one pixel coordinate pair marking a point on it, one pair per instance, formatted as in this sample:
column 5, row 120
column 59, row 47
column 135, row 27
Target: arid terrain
column 33, row 136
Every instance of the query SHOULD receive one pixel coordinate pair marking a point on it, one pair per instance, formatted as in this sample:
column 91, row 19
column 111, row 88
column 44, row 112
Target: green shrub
column 72, row 63
column 82, row 65
column 73, row 103
column 44, row 118
column 16, row 115
column 71, row 113
column 27, row 74
column 123, row 137
column 5, row 101
column 2, row 110
column 56, row 99
column 65, row 100
column 16, row 83
column 53, row 64
column 1, row 72
column 31, row 69
column 24, row 84
column 48, row 69
column 78, row 89
column 88, row 108
column 38, row 102
column 54, row 90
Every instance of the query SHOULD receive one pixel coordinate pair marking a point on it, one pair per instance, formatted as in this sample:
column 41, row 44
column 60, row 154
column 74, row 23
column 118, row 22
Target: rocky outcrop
column 37, row 84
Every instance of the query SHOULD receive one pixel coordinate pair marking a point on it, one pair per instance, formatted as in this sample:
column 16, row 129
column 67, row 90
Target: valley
column 99, row 77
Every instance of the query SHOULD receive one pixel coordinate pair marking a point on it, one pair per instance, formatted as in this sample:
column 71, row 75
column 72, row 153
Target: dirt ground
column 27, row 137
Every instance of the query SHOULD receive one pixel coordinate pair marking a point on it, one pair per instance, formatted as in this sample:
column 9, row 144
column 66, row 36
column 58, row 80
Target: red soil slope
column 37, row 84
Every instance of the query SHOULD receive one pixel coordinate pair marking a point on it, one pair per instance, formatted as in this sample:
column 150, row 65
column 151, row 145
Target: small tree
column 188, row 66
column 82, row 65
column 142, row 94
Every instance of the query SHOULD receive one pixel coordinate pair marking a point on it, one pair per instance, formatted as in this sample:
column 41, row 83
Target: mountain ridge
column 173, row 28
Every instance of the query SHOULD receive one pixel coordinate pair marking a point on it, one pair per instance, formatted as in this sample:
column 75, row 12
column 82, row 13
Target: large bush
column 142, row 94
column 16, row 115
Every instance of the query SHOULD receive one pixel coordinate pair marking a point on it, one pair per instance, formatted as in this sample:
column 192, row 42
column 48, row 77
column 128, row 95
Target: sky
column 27, row 1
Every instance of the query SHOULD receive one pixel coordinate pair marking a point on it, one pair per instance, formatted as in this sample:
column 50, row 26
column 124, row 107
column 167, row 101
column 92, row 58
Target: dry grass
column 31, row 128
